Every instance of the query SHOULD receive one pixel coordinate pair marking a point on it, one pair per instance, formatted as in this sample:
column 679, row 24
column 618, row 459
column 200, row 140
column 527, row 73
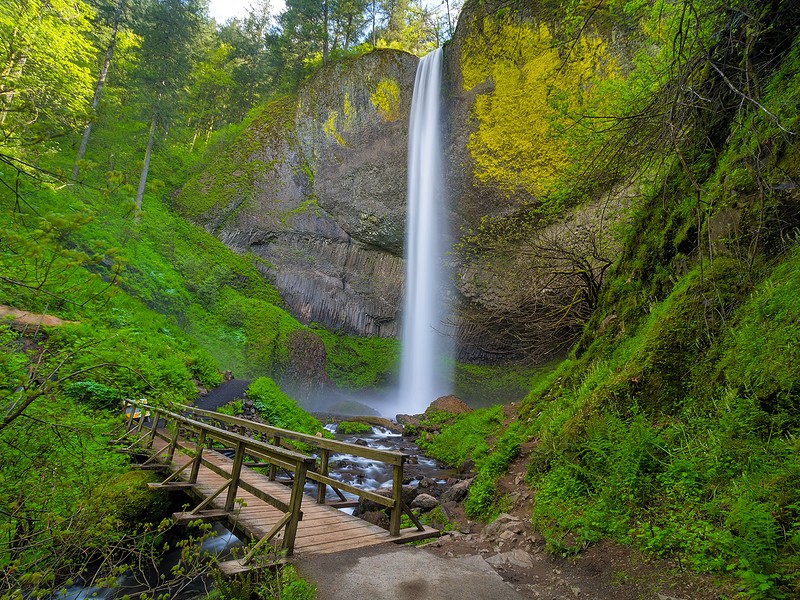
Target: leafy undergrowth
column 704, row 467
column 280, row 410
column 484, row 437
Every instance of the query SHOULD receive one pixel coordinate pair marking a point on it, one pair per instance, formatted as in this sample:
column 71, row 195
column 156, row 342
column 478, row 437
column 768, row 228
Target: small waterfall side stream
column 423, row 362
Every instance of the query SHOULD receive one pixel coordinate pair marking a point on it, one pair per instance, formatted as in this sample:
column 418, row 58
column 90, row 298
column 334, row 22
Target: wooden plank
column 388, row 456
column 232, row 568
column 203, row 515
column 412, row 534
column 323, row 528
column 171, row 486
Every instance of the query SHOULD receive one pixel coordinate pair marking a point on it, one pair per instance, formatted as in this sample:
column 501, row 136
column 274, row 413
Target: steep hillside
column 672, row 425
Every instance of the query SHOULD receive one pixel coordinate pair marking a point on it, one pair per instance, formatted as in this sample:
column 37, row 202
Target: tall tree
column 210, row 91
column 171, row 32
column 302, row 34
column 250, row 57
column 101, row 81
column 396, row 12
column 45, row 78
column 346, row 24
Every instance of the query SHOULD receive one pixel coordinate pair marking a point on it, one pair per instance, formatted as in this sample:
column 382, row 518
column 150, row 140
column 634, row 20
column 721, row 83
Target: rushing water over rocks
column 423, row 376
column 369, row 474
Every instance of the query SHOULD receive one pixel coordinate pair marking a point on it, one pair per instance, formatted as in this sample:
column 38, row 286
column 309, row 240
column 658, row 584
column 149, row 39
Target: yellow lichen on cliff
column 523, row 137
column 349, row 112
column 329, row 127
column 386, row 99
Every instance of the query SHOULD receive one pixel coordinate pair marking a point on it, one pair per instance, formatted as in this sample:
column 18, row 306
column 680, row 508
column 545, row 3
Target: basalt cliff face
column 315, row 187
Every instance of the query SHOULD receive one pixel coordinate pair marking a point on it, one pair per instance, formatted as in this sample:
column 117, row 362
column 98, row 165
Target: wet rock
column 379, row 422
column 504, row 528
column 449, row 404
column 379, row 518
column 368, row 506
column 408, row 420
column 467, row 466
column 360, row 442
column 458, row 492
column 425, row 502
column 409, row 493
column 514, row 558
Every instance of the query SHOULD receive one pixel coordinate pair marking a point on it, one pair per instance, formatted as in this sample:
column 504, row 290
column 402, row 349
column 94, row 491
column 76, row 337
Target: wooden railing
column 210, row 426
column 325, row 449
column 180, row 426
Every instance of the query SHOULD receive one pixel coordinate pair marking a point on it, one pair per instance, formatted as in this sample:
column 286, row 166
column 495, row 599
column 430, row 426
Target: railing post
column 140, row 426
column 295, row 507
column 273, row 470
column 129, row 424
column 236, row 471
column 198, row 457
column 153, row 428
column 173, row 442
column 323, row 470
column 397, row 496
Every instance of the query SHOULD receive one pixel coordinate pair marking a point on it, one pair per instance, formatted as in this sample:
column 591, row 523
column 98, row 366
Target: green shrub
column 232, row 408
column 351, row 427
column 93, row 394
column 482, row 501
column 466, row 438
column 278, row 409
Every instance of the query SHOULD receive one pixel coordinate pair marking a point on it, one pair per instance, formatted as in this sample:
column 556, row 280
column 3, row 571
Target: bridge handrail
column 320, row 474
column 299, row 463
column 390, row 457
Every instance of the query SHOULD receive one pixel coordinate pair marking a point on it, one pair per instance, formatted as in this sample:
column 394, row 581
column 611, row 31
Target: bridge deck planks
column 322, row 530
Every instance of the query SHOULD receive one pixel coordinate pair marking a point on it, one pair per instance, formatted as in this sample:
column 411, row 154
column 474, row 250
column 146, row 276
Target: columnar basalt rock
column 315, row 188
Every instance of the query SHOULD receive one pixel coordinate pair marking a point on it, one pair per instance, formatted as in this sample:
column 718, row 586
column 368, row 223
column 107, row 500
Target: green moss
column 231, row 168
column 329, row 127
column 521, row 141
column 355, row 362
column 465, row 437
column 130, row 500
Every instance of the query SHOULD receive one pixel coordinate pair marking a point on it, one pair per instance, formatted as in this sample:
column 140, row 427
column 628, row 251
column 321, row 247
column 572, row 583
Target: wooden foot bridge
column 258, row 504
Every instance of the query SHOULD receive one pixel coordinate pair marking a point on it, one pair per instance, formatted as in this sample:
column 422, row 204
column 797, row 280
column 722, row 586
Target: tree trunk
column 449, row 20
column 145, row 169
column 98, row 90
column 325, row 41
column 373, row 24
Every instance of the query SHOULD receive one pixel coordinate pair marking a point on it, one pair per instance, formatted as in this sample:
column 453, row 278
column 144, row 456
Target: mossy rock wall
column 352, row 124
column 517, row 74
column 314, row 187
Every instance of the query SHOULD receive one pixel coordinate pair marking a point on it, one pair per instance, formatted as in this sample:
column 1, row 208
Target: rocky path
column 604, row 571
column 503, row 560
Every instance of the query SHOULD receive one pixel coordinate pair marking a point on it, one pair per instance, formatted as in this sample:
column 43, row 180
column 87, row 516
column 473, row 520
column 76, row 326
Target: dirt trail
column 23, row 317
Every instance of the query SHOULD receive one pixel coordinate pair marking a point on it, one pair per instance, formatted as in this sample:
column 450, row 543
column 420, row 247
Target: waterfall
column 424, row 362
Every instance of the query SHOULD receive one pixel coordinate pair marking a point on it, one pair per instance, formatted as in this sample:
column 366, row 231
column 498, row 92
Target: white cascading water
column 423, row 363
